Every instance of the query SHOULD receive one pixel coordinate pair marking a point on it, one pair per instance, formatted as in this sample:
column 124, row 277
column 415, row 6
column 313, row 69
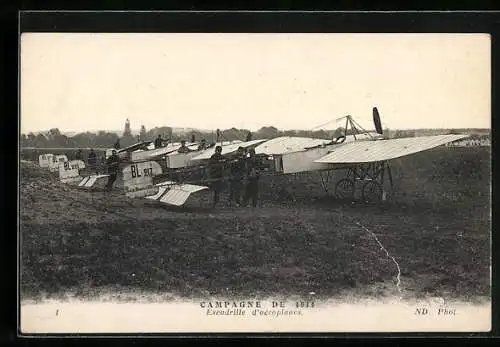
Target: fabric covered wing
column 92, row 180
column 156, row 196
column 286, row 144
column 227, row 149
column 83, row 181
column 134, row 147
column 148, row 155
column 166, row 183
column 178, row 194
column 380, row 150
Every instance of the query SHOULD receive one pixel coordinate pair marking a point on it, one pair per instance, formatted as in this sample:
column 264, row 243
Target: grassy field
column 437, row 228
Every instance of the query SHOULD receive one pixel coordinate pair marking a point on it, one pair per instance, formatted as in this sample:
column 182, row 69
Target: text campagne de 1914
column 256, row 308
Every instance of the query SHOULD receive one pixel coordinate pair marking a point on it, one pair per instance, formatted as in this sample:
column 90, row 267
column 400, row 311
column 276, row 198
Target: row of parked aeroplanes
column 164, row 175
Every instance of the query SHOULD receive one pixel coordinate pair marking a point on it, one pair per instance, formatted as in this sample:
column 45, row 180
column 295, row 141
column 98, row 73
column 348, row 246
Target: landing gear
column 370, row 177
column 325, row 179
column 372, row 192
column 345, row 189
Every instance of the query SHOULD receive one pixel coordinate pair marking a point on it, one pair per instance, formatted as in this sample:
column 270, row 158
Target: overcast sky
column 79, row 82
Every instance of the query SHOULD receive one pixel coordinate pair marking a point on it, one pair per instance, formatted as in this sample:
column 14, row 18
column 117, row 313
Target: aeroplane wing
column 156, row 153
column 89, row 181
column 173, row 193
column 134, row 147
column 380, row 150
column 178, row 194
column 227, row 149
column 288, row 144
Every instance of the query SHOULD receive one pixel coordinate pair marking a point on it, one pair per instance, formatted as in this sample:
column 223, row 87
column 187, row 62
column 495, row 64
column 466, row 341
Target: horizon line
column 252, row 130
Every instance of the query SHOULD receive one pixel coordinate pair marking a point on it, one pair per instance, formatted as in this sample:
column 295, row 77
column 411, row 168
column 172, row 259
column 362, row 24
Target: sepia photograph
column 254, row 183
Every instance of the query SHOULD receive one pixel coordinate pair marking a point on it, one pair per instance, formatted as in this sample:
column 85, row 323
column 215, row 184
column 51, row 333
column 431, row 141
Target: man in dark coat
column 183, row 148
column 92, row 161
column 202, row 145
column 79, row 155
column 217, row 173
column 158, row 141
column 117, row 144
column 253, row 175
column 237, row 173
column 112, row 163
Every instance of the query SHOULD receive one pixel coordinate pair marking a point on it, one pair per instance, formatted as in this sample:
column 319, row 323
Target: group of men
column 243, row 171
column 160, row 142
column 243, row 176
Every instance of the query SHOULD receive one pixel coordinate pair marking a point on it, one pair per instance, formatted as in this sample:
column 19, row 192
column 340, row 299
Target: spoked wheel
column 372, row 192
column 344, row 189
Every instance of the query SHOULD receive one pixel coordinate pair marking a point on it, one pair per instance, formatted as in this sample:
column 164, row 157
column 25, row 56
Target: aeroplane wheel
column 372, row 192
column 344, row 189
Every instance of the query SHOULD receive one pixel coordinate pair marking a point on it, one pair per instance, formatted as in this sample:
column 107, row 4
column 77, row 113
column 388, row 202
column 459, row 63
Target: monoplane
column 163, row 174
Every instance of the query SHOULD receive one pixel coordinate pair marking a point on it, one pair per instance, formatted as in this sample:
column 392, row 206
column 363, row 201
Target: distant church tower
column 127, row 131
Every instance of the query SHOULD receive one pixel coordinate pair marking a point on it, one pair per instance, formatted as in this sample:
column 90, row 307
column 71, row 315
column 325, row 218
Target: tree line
column 103, row 139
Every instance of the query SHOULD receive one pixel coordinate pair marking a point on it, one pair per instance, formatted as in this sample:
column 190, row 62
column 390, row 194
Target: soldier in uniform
column 183, row 148
column 79, row 155
column 92, row 161
column 112, row 163
column 253, row 175
column 217, row 173
column 202, row 145
column 158, row 141
column 237, row 173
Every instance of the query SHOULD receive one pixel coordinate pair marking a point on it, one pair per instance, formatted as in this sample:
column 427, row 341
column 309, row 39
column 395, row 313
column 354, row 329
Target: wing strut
column 325, row 180
column 355, row 127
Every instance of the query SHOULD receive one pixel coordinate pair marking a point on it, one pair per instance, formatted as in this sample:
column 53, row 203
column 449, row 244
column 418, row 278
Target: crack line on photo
column 398, row 277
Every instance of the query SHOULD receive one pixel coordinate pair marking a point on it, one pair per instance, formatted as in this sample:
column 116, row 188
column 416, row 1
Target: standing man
column 79, row 155
column 92, row 160
column 252, row 186
column 113, row 164
column 202, row 145
column 158, row 141
column 117, row 144
column 183, row 148
column 217, row 173
column 237, row 173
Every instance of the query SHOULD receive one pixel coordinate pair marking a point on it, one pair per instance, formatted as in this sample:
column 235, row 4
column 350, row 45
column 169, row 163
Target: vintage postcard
column 194, row 183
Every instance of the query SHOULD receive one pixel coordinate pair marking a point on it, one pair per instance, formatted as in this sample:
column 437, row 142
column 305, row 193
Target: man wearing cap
column 79, row 155
column 237, row 173
column 92, row 161
column 112, row 163
column 252, row 185
column 202, row 145
column 158, row 141
column 183, row 148
column 217, row 173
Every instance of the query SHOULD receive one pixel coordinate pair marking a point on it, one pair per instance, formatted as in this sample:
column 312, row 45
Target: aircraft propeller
column 376, row 121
